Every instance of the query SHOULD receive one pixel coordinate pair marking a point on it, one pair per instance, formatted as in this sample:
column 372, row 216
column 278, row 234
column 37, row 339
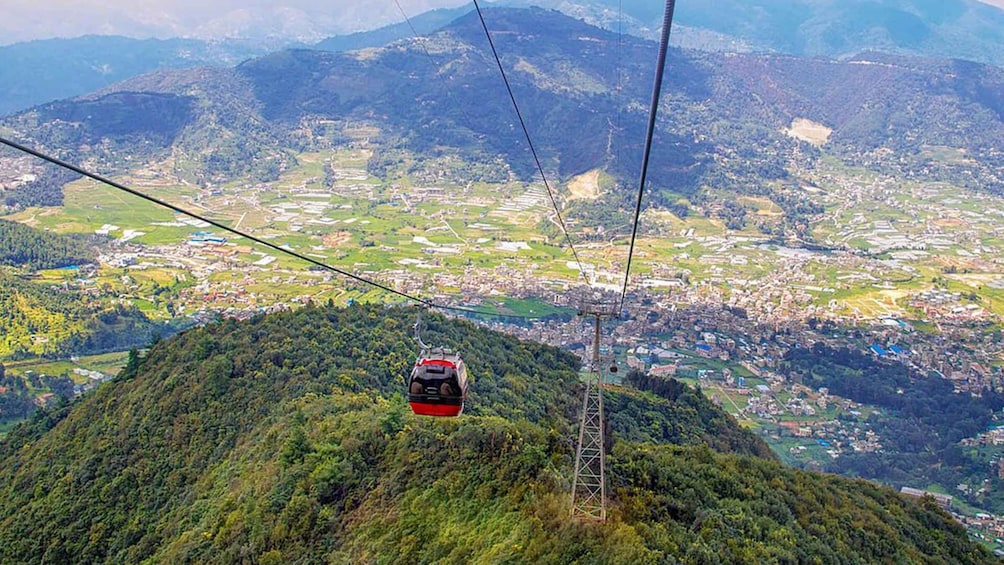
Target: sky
column 22, row 21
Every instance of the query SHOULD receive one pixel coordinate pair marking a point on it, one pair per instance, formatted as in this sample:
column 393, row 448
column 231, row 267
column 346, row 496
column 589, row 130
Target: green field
column 107, row 363
column 526, row 308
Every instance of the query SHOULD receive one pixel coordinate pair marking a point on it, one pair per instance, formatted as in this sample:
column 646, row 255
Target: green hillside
column 23, row 246
column 285, row 439
column 41, row 320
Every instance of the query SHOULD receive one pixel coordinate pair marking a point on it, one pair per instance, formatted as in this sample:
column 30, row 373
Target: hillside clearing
column 809, row 131
column 585, row 186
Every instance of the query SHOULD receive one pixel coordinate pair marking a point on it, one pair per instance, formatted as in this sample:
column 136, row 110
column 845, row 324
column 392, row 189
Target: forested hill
column 74, row 325
column 24, row 246
column 71, row 324
column 285, row 439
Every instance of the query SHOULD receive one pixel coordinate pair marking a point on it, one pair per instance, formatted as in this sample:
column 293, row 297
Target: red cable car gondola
column 438, row 384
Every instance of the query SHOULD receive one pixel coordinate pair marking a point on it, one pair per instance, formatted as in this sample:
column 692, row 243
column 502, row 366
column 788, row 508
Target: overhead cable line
column 407, row 19
column 529, row 142
column 270, row 245
column 667, row 24
column 428, row 54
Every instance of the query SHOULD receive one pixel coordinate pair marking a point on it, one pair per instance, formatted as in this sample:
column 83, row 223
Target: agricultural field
column 890, row 241
column 108, row 364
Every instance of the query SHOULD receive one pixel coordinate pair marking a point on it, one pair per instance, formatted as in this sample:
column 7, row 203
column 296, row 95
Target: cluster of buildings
column 836, row 436
column 948, row 306
column 993, row 436
column 17, row 171
column 94, row 378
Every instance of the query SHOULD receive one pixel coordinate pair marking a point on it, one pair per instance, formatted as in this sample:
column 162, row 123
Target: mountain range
column 35, row 72
column 41, row 71
column 723, row 121
column 963, row 29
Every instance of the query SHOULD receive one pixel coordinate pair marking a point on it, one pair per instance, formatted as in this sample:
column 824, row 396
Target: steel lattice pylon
column 589, row 498
column 589, row 490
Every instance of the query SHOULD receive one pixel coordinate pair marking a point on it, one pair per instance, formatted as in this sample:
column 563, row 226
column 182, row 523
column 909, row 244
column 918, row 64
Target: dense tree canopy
column 71, row 324
column 286, row 439
column 23, row 246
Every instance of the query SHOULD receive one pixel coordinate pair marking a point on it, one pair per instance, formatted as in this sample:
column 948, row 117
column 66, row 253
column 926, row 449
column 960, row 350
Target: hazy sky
column 22, row 20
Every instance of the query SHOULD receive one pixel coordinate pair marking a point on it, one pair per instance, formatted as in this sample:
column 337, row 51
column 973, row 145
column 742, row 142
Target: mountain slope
column 22, row 245
column 284, row 439
column 962, row 29
column 583, row 92
column 41, row 71
column 43, row 320
column 422, row 24
column 967, row 29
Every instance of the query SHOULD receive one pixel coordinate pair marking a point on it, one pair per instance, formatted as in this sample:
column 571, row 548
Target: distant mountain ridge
column 967, row 29
column 424, row 23
column 41, row 71
column 35, row 72
column 962, row 29
column 722, row 125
